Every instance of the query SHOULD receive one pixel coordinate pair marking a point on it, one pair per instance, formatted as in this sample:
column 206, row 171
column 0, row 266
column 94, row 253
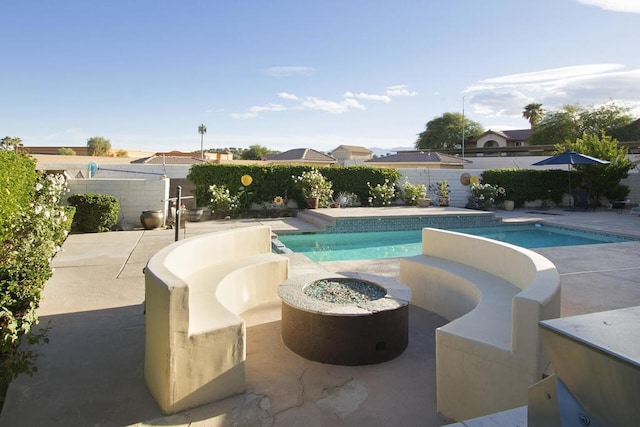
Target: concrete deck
column 92, row 369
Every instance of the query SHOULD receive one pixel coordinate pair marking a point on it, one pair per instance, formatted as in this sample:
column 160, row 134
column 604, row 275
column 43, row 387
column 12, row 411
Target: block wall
column 135, row 195
column 459, row 193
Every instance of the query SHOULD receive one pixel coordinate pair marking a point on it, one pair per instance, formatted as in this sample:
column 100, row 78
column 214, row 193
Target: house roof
column 301, row 155
column 169, row 160
column 354, row 149
column 417, row 157
column 510, row 135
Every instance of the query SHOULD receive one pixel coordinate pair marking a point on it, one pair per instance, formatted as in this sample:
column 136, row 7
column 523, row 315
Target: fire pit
column 345, row 320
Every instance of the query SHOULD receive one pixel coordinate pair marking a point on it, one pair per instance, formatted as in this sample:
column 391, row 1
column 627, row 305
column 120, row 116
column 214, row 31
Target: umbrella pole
column 573, row 202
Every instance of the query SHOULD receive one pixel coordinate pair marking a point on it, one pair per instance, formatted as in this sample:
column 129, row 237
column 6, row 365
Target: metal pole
column 178, row 212
column 463, row 131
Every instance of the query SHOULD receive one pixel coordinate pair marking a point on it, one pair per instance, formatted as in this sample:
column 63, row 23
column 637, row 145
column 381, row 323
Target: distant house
column 351, row 154
column 418, row 159
column 501, row 138
column 304, row 156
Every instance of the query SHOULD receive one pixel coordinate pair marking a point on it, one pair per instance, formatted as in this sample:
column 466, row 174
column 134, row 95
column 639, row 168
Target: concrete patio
column 92, row 369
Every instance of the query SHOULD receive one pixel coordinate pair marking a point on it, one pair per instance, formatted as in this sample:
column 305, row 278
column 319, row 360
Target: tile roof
column 169, row 160
column 417, row 157
column 354, row 149
column 302, row 154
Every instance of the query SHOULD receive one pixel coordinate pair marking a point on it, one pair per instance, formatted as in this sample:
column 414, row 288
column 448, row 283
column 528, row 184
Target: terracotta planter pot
column 509, row 205
column 312, row 202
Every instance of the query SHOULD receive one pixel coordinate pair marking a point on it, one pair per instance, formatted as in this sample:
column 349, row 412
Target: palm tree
column 533, row 112
column 202, row 129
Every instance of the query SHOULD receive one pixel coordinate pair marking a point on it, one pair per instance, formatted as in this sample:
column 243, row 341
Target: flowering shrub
column 412, row 193
column 313, row 184
column 486, row 195
column 347, row 199
column 222, row 200
column 382, row 194
column 34, row 237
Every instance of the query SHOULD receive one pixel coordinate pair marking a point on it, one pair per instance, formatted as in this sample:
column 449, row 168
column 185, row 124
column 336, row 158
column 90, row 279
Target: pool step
column 316, row 218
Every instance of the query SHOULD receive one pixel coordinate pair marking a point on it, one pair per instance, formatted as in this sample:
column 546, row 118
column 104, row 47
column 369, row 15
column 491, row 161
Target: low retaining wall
column 195, row 290
column 494, row 294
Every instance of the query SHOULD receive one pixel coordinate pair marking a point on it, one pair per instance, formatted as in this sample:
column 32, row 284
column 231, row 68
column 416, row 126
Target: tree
column 568, row 124
column 601, row 180
column 10, row 143
column 533, row 112
column 202, row 129
column 254, row 152
column 64, row 151
column 99, row 146
column 446, row 132
column 630, row 132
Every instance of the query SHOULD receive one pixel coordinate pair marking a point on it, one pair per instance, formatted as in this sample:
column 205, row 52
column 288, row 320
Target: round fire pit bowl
column 342, row 320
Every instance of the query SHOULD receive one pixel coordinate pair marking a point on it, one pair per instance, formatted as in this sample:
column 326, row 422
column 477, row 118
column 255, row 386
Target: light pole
column 463, row 131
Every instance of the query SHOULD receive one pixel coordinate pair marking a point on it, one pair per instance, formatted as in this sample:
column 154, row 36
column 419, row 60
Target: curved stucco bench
column 195, row 290
column 494, row 294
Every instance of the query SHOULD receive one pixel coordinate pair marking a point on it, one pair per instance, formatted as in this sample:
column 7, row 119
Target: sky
column 289, row 74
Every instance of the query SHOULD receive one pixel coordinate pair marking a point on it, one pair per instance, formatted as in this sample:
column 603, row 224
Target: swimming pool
column 388, row 244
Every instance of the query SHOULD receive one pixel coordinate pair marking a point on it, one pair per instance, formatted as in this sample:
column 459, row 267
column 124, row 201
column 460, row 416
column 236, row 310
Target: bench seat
column 477, row 304
column 494, row 294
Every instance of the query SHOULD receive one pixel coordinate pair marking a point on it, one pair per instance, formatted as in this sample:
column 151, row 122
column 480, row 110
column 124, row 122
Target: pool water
column 389, row 244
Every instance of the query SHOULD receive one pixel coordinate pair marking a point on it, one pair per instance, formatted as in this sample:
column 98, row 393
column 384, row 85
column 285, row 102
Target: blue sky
column 288, row 74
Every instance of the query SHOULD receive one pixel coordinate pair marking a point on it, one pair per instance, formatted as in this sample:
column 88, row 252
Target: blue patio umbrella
column 571, row 158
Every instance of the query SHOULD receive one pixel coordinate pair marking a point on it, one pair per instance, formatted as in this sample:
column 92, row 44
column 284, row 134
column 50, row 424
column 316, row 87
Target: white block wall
column 633, row 181
column 459, row 194
column 135, row 195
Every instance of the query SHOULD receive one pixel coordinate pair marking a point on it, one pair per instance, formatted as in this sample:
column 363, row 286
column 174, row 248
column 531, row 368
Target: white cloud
column 289, row 96
column 632, row 6
column 368, row 96
column 390, row 91
column 313, row 103
column 289, row 71
column 399, row 90
column 552, row 74
column 591, row 84
column 349, row 102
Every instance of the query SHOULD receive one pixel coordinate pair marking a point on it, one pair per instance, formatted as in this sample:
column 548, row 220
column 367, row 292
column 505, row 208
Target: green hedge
column 95, row 212
column 525, row 185
column 278, row 180
column 17, row 183
column 33, row 238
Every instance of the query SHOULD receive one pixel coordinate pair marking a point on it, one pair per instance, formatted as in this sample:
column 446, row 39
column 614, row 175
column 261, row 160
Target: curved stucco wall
column 194, row 291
